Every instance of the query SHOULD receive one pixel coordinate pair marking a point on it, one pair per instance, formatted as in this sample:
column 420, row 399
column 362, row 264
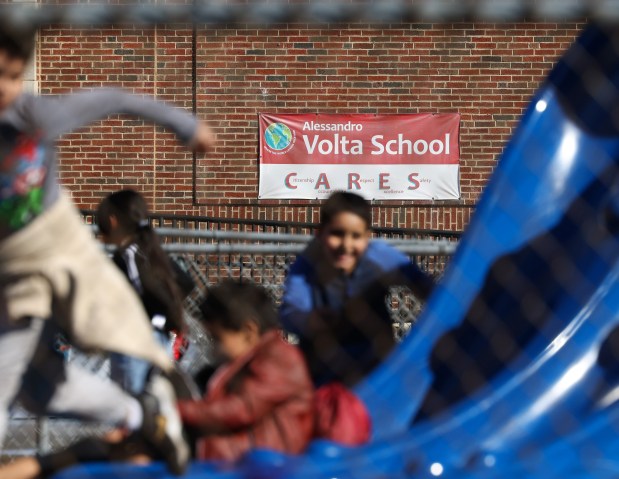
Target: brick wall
column 486, row 72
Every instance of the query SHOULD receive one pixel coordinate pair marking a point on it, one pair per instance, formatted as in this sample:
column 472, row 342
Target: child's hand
column 203, row 139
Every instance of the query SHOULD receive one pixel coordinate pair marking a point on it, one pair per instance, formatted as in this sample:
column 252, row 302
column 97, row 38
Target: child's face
column 230, row 344
column 344, row 240
column 11, row 79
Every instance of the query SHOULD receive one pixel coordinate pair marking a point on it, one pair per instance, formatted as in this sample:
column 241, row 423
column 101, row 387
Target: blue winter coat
column 343, row 323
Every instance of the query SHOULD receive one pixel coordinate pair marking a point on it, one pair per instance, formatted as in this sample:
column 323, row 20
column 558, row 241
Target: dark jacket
column 261, row 400
column 157, row 298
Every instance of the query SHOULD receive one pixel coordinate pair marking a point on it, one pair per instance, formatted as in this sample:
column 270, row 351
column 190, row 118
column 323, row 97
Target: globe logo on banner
column 278, row 136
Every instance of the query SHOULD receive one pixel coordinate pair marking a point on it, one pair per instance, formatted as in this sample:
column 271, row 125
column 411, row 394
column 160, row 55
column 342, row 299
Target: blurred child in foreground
column 52, row 270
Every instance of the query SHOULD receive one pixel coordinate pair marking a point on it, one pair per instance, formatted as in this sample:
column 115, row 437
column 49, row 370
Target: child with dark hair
column 52, row 270
column 335, row 293
column 262, row 395
column 122, row 218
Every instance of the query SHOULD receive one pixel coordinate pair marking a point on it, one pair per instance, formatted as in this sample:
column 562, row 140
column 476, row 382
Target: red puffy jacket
column 261, row 400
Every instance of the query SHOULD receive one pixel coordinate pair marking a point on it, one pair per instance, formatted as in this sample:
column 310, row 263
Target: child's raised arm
column 56, row 115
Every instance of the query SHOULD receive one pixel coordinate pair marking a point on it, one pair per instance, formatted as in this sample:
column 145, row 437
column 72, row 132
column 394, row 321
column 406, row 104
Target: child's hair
column 130, row 210
column 232, row 304
column 345, row 202
column 17, row 43
column 157, row 275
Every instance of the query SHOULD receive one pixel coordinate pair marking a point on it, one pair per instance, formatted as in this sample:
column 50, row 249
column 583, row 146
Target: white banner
column 421, row 182
column 381, row 157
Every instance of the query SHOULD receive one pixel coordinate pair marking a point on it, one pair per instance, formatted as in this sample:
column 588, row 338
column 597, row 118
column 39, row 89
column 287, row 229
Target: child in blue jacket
column 335, row 293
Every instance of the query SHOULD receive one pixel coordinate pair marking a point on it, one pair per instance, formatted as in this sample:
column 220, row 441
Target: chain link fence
column 266, row 13
column 211, row 256
column 523, row 338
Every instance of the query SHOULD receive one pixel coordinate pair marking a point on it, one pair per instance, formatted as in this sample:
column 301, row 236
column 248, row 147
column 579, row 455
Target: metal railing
column 195, row 222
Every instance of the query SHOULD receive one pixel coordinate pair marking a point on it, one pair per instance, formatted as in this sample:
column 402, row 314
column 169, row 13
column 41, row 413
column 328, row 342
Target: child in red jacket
column 262, row 394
